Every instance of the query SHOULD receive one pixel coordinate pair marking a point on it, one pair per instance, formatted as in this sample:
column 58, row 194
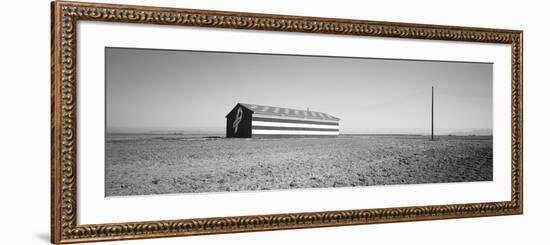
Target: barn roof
column 287, row 112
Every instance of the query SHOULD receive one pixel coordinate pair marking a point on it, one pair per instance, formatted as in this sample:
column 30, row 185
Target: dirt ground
column 157, row 164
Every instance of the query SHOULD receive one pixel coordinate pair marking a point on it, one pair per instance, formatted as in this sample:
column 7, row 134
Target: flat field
column 142, row 164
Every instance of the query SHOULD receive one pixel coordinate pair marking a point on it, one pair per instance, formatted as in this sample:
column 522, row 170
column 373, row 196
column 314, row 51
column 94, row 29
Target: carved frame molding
column 66, row 15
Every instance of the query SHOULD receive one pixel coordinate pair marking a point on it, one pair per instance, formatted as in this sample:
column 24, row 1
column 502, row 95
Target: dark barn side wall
column 244, row 129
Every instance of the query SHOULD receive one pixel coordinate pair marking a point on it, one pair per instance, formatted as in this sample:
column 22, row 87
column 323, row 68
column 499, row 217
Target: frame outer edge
column 520, row 135
column 55, row 117
column 290, row 17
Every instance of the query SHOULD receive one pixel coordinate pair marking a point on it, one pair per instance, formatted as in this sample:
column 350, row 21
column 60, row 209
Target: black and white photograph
column 186, row 121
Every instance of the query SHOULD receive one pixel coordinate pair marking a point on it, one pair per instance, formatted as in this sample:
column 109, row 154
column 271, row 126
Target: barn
column 247, row 120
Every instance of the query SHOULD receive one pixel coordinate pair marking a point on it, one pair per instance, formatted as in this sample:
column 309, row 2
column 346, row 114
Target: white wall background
column 25, row 108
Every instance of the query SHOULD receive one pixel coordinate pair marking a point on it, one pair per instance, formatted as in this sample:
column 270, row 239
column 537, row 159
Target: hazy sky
column 186, row 90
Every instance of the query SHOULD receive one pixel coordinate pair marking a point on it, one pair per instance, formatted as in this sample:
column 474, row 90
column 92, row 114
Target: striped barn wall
column 268, row 125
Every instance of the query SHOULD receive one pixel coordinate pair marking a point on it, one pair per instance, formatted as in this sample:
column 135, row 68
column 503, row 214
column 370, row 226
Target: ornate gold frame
column 65, row 15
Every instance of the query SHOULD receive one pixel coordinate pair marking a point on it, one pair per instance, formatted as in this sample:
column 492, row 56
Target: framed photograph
column 176, row 122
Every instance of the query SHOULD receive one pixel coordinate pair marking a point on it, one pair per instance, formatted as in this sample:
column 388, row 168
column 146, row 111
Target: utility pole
column 432, row 112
